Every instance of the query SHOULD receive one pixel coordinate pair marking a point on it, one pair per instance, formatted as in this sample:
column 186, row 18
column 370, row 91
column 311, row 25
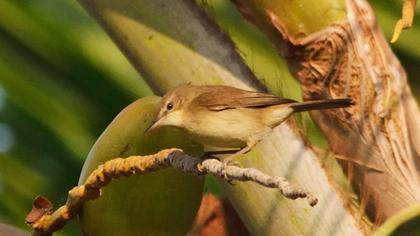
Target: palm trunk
column 350, row 58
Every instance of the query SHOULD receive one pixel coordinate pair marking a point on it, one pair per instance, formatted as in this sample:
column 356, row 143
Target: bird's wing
column 220, row 98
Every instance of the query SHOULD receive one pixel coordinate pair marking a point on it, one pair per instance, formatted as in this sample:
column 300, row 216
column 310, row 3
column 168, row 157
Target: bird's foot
column 229, row 161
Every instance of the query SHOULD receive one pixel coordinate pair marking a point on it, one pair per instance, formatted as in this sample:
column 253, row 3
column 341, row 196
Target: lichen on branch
column 44, row 221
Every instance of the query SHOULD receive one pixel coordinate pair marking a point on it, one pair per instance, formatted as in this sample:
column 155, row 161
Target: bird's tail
column 321, row 104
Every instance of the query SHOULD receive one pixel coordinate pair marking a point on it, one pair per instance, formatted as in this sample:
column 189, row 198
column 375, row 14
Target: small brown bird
column 227, row 117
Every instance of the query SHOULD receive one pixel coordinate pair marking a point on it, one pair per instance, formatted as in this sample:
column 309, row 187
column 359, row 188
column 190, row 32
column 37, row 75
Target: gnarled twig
column 45, row 222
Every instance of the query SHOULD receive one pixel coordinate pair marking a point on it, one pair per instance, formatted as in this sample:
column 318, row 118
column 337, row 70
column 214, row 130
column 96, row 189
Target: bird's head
column 172, row 106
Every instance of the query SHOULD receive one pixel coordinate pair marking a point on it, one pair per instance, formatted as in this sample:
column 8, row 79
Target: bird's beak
column 172, row 119
column 154, row 125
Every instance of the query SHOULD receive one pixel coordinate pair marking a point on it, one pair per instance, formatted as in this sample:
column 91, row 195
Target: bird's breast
column 228, row 128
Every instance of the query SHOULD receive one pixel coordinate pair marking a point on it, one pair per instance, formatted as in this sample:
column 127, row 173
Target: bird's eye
column 170, row 106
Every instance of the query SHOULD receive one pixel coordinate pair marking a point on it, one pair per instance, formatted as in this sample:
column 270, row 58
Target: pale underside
column 234, row 128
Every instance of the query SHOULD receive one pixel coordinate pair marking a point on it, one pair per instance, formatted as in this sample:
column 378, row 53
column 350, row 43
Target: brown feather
column 322, row 104
column 225, row 97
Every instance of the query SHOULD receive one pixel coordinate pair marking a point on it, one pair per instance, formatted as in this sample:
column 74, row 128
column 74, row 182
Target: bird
column 228, row 117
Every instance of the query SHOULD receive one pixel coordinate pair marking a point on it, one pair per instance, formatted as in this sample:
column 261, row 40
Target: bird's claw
column 229, row 161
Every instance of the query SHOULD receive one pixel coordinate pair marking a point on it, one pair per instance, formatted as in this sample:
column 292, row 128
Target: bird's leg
column 249, row 145
column 230, row 159
column 244, row 150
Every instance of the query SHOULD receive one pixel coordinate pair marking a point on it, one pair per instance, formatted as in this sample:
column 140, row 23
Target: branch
column 45, row 222
column 406, row 19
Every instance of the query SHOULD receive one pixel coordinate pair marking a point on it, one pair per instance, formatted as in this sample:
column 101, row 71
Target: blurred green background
column 62, row 80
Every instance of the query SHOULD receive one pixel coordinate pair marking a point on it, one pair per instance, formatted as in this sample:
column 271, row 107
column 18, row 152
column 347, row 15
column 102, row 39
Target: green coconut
column 159, row 203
